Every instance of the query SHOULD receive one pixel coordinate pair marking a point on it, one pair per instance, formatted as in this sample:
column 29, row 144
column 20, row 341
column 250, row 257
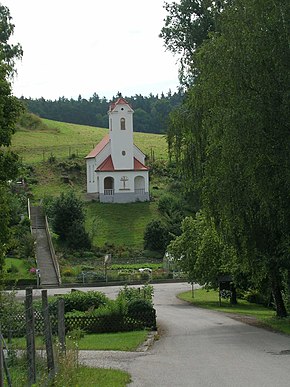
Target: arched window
column 139, row 185
column 123, row 127
column 109, row 186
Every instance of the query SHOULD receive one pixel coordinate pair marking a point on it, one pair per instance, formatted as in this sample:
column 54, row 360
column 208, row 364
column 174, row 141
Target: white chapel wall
column 139, row 155
column 122, row 140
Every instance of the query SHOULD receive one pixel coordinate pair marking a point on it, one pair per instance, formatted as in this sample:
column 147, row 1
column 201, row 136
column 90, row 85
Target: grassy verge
column 120, row 341
column 87, row 377
column 72, row 376
column 209, row 300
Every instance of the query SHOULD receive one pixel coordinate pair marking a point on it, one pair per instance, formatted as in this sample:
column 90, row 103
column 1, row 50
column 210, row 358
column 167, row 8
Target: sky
column 74, row 47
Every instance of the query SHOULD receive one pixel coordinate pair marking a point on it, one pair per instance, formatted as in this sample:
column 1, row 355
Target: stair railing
column 52, row 252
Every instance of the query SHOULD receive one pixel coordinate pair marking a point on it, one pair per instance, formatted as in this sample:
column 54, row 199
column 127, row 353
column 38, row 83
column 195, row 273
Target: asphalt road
column 200, row 348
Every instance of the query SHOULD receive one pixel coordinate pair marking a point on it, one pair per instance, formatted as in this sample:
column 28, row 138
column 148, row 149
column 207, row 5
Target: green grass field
column 119, row 223
column 19, row 265
column 65, row 139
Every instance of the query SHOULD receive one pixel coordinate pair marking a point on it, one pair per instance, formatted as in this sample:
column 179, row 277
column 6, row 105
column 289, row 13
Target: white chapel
column 116, row 171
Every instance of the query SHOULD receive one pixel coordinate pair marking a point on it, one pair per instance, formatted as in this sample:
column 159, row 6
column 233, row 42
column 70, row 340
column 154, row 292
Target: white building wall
column 122, row 140
column 139, row 155
column 92, row 164
column 91, row 178
column 121, row 194
column 122, row 150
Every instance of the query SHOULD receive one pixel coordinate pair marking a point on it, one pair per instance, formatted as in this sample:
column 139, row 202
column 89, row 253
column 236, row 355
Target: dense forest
column 151, row 113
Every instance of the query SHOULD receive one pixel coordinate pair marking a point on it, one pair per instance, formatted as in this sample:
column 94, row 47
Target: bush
column 114, row 317
column 255, row 297
column 21, row 282
column 77, row 237
column 30, row 121
column 80, row 301
column 156, row 236
column 13, row 269
column 169, row 203
column 132, row 294
column 110, row 318
column 137, row 306
column 68, row 273
column 67, row 217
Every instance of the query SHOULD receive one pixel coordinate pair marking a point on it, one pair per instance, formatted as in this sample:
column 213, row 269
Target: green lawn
column 68, row 374
column 120, row 341
column 119, row 223
column 70, row 377
column 91, row 377
column 209, row 299
column 20, row 265
column 78, row 139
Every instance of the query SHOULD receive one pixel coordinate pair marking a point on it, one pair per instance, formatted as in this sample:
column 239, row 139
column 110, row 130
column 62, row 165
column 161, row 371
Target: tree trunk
column 234, row 300
column 277, row 294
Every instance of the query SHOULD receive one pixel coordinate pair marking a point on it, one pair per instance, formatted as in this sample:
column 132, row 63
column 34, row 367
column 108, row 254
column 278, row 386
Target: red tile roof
column 107, row 165
column 120, row 101
column 101, row 145
column 138, row 166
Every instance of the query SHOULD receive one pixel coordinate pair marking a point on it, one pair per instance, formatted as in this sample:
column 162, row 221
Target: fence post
column 61, row 324
column 47, row 333
column 30, row 337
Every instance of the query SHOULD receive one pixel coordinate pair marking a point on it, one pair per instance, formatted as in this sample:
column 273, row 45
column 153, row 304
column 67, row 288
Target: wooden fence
column 15, row 327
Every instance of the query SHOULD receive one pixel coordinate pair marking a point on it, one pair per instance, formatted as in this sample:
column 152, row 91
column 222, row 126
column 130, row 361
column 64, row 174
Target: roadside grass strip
column 209, row 299
column 71, row 377
column 91, row 377
column 120, row 341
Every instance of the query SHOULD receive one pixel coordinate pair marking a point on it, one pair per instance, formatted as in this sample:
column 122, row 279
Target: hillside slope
column 65, row 139
column 56, row 155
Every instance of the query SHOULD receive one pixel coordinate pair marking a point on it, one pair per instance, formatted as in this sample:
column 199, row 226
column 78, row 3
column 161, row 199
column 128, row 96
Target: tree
column 200, row 251
column 151, row 113
column 10, row 109
column 241, row 137
column 156, row 236
column 67, row 218
column 187, row 25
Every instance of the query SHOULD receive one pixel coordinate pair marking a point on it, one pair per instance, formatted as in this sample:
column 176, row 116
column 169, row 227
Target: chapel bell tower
column 121, row 134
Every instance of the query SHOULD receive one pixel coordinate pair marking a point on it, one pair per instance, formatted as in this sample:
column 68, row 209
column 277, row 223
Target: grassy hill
column 63, row 139
column 120, row 224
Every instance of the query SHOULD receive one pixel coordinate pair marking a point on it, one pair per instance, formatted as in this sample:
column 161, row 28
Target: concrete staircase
column 44, row 255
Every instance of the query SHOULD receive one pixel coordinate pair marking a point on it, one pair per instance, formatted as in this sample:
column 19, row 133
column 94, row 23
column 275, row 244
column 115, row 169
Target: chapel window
column 123, row 127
